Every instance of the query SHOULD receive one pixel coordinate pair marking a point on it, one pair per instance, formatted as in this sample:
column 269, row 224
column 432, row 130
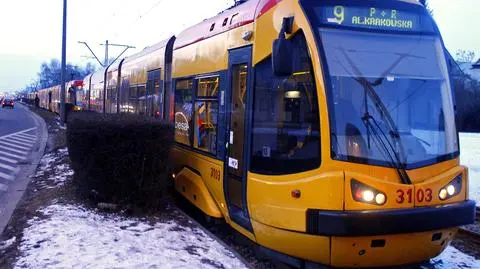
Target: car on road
column 8, row 102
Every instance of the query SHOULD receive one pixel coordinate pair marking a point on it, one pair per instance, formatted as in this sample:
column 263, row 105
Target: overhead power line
column 106, row 61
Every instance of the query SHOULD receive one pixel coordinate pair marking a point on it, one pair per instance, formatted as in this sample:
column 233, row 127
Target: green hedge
column 121, row 158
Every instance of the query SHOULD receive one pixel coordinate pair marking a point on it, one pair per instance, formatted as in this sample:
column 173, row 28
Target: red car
column 8, row 102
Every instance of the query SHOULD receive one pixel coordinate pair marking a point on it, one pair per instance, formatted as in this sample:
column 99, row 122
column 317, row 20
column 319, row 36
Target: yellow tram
column 323, row 131
column 49, row 98
column 335, row 145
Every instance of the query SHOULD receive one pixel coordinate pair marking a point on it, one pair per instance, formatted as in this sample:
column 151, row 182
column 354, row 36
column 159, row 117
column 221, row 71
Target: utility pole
column 64, row 58
column 106, row 61
column 106, row 53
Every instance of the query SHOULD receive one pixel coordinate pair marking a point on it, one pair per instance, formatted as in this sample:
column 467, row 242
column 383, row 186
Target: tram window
column 133, row 100
column 208, row 87
column 206, row 113
column 142, row 107
column 206, row 120
column 183, row 110
column 286, row 128
column 133, row 92
column 141, row 91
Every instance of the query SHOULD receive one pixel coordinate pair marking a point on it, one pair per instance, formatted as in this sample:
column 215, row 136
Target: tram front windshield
column 387, row 89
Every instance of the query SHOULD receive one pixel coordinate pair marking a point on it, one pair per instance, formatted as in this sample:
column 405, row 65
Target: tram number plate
column 215, row 173
column 420, row 196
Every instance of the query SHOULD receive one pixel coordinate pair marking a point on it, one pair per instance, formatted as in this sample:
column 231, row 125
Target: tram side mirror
column 282, row 50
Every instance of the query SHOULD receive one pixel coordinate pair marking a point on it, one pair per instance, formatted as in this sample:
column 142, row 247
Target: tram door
column 238, row 103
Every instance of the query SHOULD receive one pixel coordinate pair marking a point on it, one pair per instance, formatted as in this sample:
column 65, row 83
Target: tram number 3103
column 215, row 173
column 421, row 195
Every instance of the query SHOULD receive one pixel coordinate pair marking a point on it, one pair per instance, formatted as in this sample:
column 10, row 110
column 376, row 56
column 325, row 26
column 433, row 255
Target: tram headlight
column 451, row 189
column 442, row 194
column 380, row 199
column 366, row 194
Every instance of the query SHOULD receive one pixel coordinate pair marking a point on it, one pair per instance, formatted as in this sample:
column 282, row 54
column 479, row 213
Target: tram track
column 470, row 231
column 240, row 246
column 467, row 239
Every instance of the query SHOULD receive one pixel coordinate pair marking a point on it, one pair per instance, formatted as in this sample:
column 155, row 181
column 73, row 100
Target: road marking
column 8, row 167
column 8, row 160
column 22, row 139
column 14, row 150
column 13, row 155
column 14, row 146
column 6, row 176
column 12, row 140
column 19, row 132
column 27, row 136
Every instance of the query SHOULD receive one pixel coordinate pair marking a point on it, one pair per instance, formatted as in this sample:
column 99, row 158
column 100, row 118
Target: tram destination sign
column 372, row 17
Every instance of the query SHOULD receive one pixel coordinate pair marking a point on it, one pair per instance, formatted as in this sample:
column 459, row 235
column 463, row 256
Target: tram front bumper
column 389, row 237
column 383, row 222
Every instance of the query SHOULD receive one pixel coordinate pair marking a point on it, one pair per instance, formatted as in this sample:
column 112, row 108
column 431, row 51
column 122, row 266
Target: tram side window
column 183, row 110
column 286, row 127
column 132, row 99
column 142, row 92
column 206, row 114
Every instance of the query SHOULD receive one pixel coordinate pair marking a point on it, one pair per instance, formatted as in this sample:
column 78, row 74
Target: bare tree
column 464, row 56
column 429, row 9
column 50, row 74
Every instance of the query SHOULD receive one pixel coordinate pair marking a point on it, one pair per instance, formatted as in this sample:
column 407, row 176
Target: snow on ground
column 74, row 237
column 60, row 124
column 7, row 243
column 453, row 258
column 53, row 170
column 470, row 157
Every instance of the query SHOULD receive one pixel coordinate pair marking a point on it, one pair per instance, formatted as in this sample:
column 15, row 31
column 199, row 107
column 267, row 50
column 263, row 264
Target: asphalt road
column 14, row 120
column 23, row 137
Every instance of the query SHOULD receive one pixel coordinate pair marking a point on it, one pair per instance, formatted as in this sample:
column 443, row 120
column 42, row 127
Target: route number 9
column 339, row 13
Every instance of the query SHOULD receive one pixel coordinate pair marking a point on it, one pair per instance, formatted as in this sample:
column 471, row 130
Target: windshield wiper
column 395, row 159
column 394, row 134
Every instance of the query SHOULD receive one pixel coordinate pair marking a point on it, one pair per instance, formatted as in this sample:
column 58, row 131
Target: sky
column 30, row 31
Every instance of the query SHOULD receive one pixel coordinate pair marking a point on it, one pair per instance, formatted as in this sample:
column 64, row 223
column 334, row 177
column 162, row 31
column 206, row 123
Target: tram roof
column 234, row 17
column 160, row 45
column 237, row 16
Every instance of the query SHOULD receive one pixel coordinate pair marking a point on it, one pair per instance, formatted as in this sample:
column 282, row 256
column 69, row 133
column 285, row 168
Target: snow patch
column 61, row 125
column 53, row 171
column 7, row 243
column 470, row 157
column 454, row 258
column 75, row 237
